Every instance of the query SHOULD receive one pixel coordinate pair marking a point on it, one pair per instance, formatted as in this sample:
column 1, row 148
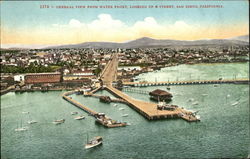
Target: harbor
column 216, row 105
column 150, row 132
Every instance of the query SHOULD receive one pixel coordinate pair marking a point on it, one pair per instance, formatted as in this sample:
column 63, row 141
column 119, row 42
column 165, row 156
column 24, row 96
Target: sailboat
column 21, row 128
column 93, row 142
column 31, row 121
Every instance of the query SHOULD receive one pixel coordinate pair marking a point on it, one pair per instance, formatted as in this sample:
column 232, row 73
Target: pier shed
column 160, row 95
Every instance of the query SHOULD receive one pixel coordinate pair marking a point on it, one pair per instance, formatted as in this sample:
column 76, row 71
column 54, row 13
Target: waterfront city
column 124, row 79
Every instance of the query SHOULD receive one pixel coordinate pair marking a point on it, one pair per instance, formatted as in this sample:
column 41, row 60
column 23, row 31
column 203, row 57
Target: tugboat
column 94, row 142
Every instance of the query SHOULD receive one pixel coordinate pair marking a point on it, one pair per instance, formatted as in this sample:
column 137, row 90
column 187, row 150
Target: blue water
column 223, row 131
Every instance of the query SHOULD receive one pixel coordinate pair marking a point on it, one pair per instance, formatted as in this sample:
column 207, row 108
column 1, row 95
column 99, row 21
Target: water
column 223, row 131
column 198, row 72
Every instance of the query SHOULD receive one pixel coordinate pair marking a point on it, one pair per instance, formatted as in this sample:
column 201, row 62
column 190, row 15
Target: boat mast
column 87, row 137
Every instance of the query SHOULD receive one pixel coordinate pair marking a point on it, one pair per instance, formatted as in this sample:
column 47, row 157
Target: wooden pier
column 105, row 121
column 149, row 110
column 192, row 82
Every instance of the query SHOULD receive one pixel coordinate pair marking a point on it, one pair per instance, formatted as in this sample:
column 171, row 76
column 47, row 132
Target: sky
column 26, row 23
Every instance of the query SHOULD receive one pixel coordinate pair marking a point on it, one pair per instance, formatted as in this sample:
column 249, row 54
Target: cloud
column 106, row 22
column 107, row 28
column 75, row 23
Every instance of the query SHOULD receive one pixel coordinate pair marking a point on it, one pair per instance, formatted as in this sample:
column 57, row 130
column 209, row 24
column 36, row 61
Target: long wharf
column 147, row 109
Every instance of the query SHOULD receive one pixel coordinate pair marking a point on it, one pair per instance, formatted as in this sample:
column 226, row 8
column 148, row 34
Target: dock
column 149, row 110
column 100, row 117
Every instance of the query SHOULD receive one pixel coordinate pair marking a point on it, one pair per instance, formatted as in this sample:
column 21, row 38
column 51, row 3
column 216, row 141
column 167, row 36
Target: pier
column 192, row 82
column 147, row 109
column 100, row 117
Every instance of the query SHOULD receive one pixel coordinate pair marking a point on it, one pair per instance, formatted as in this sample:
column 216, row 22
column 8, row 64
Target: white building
column 83, row 73
column 19, row 78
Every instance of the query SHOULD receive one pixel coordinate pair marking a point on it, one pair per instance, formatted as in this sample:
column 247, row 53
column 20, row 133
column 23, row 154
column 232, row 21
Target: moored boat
column 80, row 117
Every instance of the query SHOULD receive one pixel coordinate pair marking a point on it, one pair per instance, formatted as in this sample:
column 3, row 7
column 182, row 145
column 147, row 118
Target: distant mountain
column 141, row 43
column 241, row 38
column 149, row 42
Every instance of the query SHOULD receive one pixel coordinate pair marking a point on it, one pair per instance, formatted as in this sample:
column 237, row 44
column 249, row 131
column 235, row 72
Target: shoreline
column 12, row 88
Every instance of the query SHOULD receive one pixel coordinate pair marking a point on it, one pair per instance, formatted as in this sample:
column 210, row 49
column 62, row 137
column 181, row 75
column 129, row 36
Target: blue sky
column 23, row 16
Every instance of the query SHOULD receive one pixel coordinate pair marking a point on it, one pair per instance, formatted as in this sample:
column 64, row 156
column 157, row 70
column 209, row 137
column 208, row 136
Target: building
column 83, row 73
column 78, row 75
column 35, row 78
column 160, row 95
column 130, row 68
column 19, row 78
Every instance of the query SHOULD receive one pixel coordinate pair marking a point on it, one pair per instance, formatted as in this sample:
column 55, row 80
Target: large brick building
column 42, row 78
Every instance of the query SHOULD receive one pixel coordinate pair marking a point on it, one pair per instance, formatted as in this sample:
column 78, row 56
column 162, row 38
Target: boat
column 204, row 94
column 74, row 113
column 228, row 95
column 124, row 115
column 21, row 129
column 216, row 85
column 198, row 117
column 191, row 99
column 121, row 108
column 32, row 122
column 79, row 117
column 235, row 103
column 115, row 105
column 195, row 103
column 25, row 112
column 94, row 142
column 60, row 121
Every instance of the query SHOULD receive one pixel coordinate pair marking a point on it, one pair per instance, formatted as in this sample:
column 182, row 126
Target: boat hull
column 88, row 146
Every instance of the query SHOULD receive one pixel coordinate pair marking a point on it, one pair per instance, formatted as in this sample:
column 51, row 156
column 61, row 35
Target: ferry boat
column 80, row 117
column 94, row 142
column 58, row 121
